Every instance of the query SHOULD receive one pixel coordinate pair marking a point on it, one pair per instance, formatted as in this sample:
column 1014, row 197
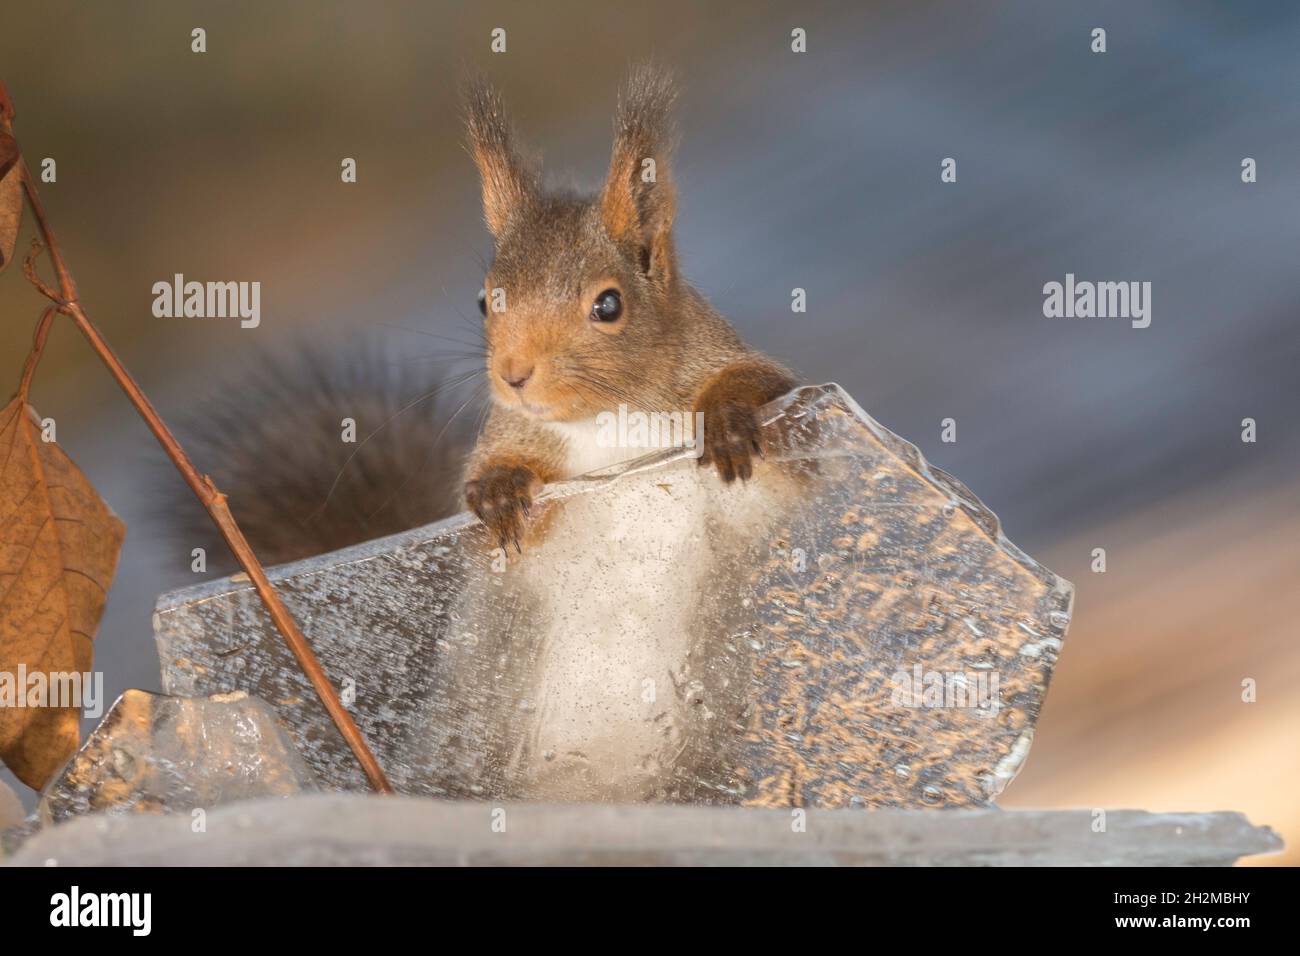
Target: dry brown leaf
column 11, row 197
column 59, row 545
column 9, row 152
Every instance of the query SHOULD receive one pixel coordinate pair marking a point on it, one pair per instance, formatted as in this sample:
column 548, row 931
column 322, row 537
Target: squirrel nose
column 515, row 378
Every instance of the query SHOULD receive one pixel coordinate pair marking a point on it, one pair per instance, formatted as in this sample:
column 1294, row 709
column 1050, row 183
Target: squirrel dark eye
column 608, row 306
column 482, row 302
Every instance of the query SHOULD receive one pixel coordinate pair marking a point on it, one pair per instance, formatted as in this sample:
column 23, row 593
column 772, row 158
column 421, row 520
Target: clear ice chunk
column 157, row 754
column 849, row 628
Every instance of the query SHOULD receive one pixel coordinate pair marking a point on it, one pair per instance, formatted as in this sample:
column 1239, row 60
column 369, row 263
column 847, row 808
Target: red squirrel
column 585, row 309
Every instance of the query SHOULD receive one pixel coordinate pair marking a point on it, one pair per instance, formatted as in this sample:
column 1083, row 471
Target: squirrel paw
column 502, row 497
column 731, row 438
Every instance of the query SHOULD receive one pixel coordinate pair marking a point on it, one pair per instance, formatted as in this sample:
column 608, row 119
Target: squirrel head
column 582, row 293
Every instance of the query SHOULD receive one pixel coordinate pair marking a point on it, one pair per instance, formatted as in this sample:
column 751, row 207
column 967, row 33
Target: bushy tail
column 273, row 439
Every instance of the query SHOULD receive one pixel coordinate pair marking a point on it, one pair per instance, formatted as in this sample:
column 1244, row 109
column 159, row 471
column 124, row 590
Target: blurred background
column 818, row 170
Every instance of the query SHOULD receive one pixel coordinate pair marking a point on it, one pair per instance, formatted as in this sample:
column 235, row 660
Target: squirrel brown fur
column 270, row 439
column 585, row 309
column 664, row 349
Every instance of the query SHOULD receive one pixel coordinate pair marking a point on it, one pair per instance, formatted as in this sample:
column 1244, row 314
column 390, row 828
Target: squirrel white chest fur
column 619, row 574
column 586, row 450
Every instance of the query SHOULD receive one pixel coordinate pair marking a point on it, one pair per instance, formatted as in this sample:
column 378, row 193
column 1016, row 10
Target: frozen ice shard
column 155, row 754
column 849, row 628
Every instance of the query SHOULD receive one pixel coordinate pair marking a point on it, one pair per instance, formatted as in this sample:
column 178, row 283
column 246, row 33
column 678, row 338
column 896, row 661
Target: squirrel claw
column 731, row 439
column 501, row 497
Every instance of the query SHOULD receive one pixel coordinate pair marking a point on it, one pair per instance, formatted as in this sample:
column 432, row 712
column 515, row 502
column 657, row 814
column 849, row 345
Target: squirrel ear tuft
column 508, row 184
column 638, row 203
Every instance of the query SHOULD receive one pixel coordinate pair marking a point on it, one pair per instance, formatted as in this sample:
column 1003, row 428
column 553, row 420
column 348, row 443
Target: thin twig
column 29, row 272
column 34, row 356
column 213, row 500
